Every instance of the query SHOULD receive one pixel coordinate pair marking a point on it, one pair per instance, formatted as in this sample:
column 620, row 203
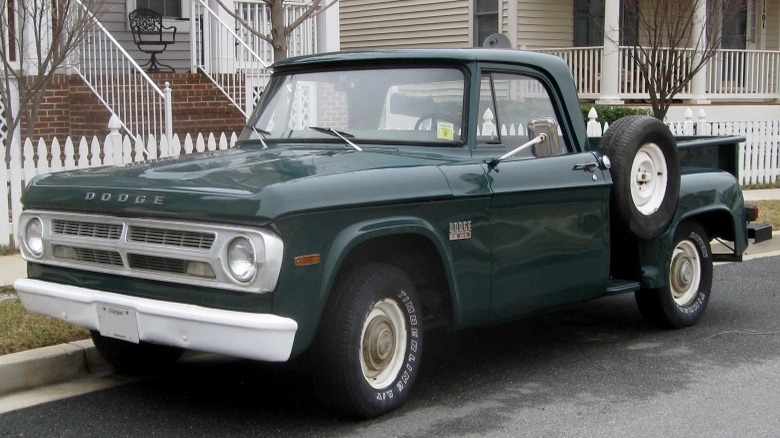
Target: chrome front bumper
column 256, row 336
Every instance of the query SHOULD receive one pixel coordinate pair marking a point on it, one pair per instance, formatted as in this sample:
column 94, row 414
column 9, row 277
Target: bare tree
column 676, row 40
column 280, row 32
column 36, row 39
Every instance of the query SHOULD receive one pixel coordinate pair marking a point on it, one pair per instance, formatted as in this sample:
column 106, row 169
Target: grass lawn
column 769, row 212
column 21, row 330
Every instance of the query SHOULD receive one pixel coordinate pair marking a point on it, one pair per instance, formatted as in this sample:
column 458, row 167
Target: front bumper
column 255, row 336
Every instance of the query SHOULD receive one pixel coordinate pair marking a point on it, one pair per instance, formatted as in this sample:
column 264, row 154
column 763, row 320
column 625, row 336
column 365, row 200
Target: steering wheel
column 434, row 118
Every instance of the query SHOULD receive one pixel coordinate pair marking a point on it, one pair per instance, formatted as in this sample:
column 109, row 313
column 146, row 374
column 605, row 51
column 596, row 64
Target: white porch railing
column 234, row 58
column 730, row 74
column 120, row 83
column 585, row 64
column 735, row 73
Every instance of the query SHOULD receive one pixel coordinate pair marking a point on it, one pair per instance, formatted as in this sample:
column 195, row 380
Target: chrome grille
column 160, row 264
column 87, row 229
column 167, row 237
column 189, row 253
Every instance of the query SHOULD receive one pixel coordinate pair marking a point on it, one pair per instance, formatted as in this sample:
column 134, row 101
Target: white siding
column 404, row 23
column 548, row 23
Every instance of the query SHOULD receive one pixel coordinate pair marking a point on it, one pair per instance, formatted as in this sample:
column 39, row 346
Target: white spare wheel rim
column 649, row 180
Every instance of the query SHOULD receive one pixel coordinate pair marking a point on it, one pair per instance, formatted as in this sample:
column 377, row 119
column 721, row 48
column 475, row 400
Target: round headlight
column 241, row 259
column 33, row 237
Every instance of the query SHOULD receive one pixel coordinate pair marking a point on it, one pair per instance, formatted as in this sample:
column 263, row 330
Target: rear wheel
column 682, row 301
column 367, row 353
column 134, row 358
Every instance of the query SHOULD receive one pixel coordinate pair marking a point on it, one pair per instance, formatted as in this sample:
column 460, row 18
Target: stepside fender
column 706, row 197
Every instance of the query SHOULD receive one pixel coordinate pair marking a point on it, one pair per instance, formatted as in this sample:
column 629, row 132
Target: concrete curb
column 48, row 365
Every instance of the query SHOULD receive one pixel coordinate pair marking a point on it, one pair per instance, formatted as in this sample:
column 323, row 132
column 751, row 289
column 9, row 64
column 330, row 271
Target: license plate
column 117, row 322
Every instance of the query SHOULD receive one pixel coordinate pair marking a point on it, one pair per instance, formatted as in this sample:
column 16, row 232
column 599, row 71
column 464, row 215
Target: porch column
column 610, row 68
column 699, row 81
column 512, row 22
column 328, row 37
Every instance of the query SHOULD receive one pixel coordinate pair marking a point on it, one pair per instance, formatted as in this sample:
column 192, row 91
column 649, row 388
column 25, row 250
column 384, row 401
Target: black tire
column 352, row 374
column 682, row 302
column 134, row 358
column 645, row 173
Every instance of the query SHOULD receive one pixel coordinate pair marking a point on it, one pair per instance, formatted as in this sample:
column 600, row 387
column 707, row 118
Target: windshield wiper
column 339, row 134
column 261, row 134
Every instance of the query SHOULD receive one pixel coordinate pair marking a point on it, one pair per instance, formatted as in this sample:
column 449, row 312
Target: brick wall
column 70, row 109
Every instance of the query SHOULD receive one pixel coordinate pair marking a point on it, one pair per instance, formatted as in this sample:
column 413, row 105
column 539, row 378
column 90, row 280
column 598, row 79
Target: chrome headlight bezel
column 32, row 240
column 241, row 259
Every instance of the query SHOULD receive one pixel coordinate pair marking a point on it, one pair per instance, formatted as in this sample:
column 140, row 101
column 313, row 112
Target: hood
column 243, row 184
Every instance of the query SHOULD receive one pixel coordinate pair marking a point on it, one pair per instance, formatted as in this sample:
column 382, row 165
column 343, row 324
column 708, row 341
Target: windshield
column 414, row 105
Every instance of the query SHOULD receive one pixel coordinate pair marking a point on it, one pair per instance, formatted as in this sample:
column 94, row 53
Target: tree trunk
column 278, row 38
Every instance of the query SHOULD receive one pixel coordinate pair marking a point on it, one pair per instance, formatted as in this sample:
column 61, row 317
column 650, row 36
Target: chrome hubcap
column 383, row 344
column 685, row 272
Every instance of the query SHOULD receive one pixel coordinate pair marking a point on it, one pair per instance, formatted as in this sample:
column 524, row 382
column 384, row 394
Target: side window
column 512, row 109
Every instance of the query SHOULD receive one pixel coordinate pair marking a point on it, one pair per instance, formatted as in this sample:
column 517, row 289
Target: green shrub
column 610, row 113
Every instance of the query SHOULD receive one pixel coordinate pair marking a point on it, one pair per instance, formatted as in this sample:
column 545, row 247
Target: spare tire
column 645, row 174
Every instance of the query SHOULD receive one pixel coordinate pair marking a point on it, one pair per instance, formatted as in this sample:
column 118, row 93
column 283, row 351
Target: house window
column 166, row 8
column 588, row 23
column 485, row 20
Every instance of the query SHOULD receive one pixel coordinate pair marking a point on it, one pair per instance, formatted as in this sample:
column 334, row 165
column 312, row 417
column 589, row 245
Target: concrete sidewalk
column 11, row 268
column 45, row 366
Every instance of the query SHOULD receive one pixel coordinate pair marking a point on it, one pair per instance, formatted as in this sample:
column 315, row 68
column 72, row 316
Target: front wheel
column 367, row 351
column 681, row 303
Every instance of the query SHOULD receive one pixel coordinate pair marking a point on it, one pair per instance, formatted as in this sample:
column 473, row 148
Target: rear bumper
column 256, row 336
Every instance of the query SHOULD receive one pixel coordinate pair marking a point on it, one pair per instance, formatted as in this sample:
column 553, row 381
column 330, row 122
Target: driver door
column 549, row 211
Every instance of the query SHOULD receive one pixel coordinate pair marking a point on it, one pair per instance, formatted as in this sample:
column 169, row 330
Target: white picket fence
column 114, row 149
column 759, row 155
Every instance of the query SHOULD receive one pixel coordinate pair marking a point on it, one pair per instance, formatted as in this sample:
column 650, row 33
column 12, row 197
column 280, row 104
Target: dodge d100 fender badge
column 460, row 230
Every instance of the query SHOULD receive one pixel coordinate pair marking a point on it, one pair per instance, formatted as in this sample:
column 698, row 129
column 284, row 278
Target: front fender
column 354, row 235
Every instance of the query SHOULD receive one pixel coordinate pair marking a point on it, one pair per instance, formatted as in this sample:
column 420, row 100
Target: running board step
column 617, row 287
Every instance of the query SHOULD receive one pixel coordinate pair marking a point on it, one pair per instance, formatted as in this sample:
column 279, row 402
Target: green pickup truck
column 374, row 196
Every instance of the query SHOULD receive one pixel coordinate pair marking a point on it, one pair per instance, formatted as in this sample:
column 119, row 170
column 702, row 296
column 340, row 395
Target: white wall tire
column 367, row 352
column 682, row 302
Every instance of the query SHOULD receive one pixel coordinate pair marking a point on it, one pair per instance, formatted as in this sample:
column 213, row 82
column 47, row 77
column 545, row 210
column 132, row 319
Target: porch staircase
column 145, row 108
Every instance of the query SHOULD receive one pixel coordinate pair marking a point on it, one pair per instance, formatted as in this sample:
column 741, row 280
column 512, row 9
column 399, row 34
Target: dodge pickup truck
column 374, row 196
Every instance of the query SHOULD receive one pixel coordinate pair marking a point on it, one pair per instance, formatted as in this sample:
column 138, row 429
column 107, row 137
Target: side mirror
column 552, row 145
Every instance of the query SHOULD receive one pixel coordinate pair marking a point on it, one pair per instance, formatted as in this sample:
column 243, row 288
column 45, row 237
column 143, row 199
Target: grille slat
column 160, row 236
column 87, row 229
column 88, row 255
column 152, row 263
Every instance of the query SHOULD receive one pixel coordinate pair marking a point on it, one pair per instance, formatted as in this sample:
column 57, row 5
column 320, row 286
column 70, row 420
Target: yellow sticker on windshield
column 445, row 131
